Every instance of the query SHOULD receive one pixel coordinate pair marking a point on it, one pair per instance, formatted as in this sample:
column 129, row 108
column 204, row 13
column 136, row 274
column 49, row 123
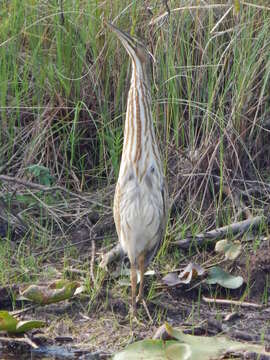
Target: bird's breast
column 141, row 216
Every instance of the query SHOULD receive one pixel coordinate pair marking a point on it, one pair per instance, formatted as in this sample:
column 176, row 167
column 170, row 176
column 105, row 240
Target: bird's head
column 135, row 48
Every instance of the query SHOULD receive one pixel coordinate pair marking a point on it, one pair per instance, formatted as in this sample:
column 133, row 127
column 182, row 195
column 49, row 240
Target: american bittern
column 140, row 201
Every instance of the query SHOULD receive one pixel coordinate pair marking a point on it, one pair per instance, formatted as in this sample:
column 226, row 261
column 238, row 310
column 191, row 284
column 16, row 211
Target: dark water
column 47, row 353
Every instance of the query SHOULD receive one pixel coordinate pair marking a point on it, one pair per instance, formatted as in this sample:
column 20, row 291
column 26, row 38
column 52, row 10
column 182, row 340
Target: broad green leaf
column 185, row 347
column 216, row 275
column 154, row 350
column 7, row 322
column 190, row 272
column 206, row 348
column 231, row 250
column 55, row 292
column 221, row 245
column 59, row 284
column 11, row 325
column 24, row 326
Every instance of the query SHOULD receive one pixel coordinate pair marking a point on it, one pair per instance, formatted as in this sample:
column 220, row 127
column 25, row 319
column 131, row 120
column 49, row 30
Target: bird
column 140, row 207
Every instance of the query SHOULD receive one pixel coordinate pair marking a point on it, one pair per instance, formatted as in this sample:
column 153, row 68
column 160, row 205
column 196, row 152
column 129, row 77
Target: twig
column 220, row 20
column 21, row 311
column 231, row 302
column 114, row 253
column 31, row 342
column 219, row 233
column 147, row 311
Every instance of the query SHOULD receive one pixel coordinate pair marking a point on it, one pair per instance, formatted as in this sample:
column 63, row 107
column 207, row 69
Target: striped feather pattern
column 141, row 199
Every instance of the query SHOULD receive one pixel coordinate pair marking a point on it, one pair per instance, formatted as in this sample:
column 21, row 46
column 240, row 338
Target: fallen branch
column 219, row 233
column 231, row 302
column 110, row 256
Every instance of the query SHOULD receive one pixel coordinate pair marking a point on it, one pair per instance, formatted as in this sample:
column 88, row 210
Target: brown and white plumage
column 140, row 202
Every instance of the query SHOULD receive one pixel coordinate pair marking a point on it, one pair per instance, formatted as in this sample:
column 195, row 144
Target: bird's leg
column 133, row 278
column 141, row 268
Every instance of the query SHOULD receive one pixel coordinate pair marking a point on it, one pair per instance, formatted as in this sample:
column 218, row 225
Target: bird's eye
column 152, row 169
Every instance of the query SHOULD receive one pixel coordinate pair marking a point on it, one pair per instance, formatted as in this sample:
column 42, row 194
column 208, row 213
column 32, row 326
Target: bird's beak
column 128, row 42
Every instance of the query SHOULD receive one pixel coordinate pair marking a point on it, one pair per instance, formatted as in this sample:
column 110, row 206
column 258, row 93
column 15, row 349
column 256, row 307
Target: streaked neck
column 140, row 145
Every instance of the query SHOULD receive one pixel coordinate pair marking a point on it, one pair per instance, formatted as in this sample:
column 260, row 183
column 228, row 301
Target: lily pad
column 221, row 246
column 185, row 347
column 53, row 293
column 216, row 275
column 206, row 348
column 24, row 326
column 11, row 325
column 190, row 272
column 154, row 350
column 231, row 250
column 7, row 322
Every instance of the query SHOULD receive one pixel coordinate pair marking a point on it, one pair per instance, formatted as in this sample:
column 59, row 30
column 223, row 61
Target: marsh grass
column 63, row 90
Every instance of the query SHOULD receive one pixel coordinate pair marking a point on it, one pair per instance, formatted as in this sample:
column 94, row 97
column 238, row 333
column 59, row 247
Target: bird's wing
column 116, row 210
column 162, row 227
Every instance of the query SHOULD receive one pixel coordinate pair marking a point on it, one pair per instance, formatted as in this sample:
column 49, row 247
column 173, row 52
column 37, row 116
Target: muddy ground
column 78, row 331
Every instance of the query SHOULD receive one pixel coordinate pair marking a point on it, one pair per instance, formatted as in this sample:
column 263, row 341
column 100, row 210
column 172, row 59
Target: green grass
column 63, row 88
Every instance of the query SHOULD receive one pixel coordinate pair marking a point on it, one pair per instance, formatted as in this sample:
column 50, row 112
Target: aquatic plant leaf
column 185, row 347
column 7, row 322
column 190, row 272
column 171, row 279
column 11, row 325
column 154, row 350
column 24, row 326
column 221, row 246
column 231, row 250
column 206, row 348
column 59, row 284
column 55, row 292
column 216, row 275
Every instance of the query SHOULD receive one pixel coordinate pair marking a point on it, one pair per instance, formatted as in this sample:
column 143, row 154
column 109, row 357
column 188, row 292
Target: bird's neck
column 140, row 146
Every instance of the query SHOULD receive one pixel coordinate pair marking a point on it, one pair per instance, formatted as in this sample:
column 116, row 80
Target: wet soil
column 78, row 330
